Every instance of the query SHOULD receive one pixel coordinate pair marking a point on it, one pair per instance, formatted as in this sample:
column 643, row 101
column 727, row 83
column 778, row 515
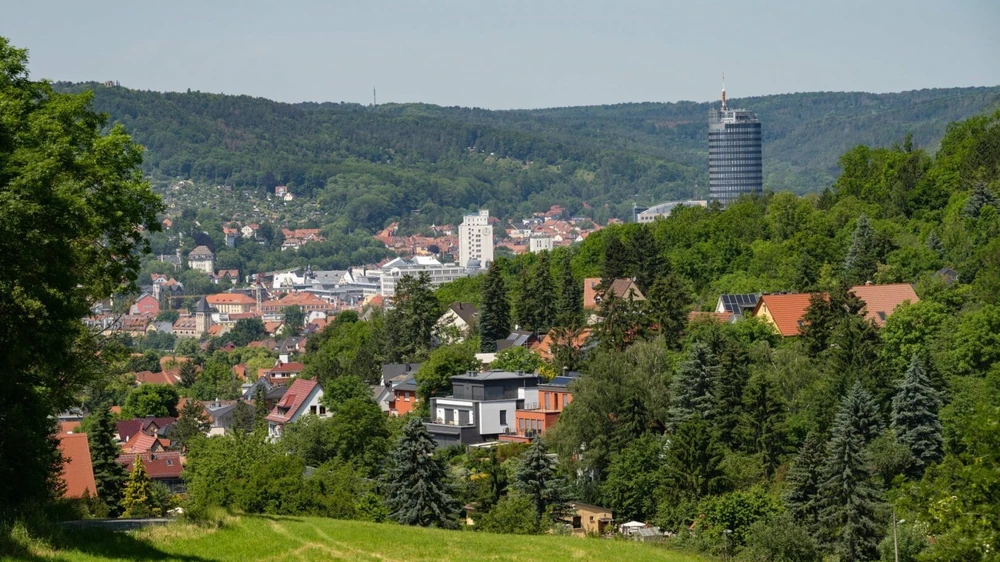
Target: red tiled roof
column 544, row 347
column 129, row 428
column 288, row 368
column 168, row 358
column 786, row 310
column 77, row 470
column 619, row 287
column 882, row 300
column 292, row 401
column 69, row 426
column 229, row 298
column 168, row 377
column 720, row 317
column 141, row 443
column 163, row 465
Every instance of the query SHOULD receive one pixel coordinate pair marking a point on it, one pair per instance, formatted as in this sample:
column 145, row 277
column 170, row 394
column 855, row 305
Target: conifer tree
column 802, row 493
column 260, row 409
column 693, row 387
column 693, row 460
column 138, row 492
column 647, row 263
column 615, row 263
column 418, row 492
column 862, row 256
column 416, row 310
column 762, row 423
column 934, row 243
column 525, row 311
column 542, row 293
column 242, row 418
column 570, row 305
column 109, row 476
column 188, row 373
column 191, row 423
column 980, row 197
column 536, row 478
column 621, row 321
column 494, row 317
column 669, row 302
column 915, row 416
column 729, row 389
column 849, row 497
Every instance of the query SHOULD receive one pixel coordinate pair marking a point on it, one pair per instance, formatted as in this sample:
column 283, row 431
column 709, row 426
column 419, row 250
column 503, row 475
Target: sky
column 511, row 53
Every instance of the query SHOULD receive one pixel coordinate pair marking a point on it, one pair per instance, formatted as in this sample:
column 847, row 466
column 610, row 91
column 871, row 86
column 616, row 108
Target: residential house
column 285, row 370
column 577, row 340
column 302, row 398
column 220, row 415
column 163, row 467
column 518, row 338
column 77, row 472
column 454, row 325
column 165, row 376
column 307, row 301
column 624, row 288
column 127, row 430
column 250, row 230
column 272, row 392
column 737, row 305
column 404, row 395
column 232, row 275
column 589, row 519
column 202, row 259
column 786, row 311
column 231, row 235
column 481, row 406
column 146, row 304
column 144, row 443
column 535, row 419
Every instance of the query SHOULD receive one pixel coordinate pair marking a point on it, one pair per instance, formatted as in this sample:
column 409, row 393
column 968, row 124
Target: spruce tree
column 260, row 409
column 802, row 494
column 693, row 387
column 620, row 323
column 762, row 423
column 415, row 312
column 980, row 196
column 494, row 316
column 647, row 263
column 242, row 418
column 615, row 264
column 915, row 416
column 137, row 501
column 527, row 306
column 191, row 423
column 693, row 460
column 934, row 243
column 570, row 306
column 729, row 389
column 669, row 303
column 418, row 492
column 849, row 497
column 188, row 373
column 536, row 478
column 109, row 476
column 543, row 294
column 862, row 256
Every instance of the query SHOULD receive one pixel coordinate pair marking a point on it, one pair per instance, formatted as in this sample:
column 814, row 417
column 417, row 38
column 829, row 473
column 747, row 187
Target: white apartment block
column 475, row 239
column 539, row 244
column 398, row 268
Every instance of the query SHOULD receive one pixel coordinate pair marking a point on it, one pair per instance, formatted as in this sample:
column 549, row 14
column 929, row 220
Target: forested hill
column 400, row 157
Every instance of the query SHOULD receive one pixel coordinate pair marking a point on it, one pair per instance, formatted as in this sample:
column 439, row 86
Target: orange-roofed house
column 882, row 300
column 77, row 471
column 544, row 347
column 784, row 312
column 231, row 303
column 624, row 288
column 302, row 398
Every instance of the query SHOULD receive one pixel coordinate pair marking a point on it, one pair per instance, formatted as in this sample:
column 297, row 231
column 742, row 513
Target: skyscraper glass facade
column 734, row 155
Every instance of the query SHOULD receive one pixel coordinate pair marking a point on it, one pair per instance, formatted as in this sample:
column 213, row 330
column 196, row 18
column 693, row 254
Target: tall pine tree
column 494, row 314
column 849, row 496
column 188, row 373
column 191, row 423
column 615, row 264
column 242, row 418
column 525, row 313
column 570, row 306
column 536, row 478
column 762, row 423
column 260, row 409
column 647, row 263
column 109, row 476
column 693, row 387
column 802, row 494
column 542, row 292
column 915, row 416
column 418, row 490
column 669, row 303
column 862, row 256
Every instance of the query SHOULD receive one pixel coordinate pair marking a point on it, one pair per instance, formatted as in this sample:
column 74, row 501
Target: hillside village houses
column 201, row 259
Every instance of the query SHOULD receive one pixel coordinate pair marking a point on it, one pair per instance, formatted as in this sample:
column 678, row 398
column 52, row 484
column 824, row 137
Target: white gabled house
column 301, row 399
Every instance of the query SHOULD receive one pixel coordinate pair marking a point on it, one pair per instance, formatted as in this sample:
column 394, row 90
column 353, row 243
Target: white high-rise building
column 475, row 239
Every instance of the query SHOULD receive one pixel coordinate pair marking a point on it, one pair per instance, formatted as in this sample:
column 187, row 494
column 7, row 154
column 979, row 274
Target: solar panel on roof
column 561, row 381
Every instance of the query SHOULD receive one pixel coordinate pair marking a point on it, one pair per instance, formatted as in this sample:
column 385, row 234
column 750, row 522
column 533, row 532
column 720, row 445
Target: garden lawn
column 308, row 538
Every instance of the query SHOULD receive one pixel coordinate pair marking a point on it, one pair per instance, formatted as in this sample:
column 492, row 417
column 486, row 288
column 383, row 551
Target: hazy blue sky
column 512, row 53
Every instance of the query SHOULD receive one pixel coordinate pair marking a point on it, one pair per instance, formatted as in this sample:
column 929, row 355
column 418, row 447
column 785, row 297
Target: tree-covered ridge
column 379, row 164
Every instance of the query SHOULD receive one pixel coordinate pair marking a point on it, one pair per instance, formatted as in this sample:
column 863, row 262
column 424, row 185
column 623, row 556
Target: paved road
column 115, row 524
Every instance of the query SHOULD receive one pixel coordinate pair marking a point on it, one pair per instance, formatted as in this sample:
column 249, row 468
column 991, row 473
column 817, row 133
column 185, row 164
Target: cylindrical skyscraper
column 734, row 155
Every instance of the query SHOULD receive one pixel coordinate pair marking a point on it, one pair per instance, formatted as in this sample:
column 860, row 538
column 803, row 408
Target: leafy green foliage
column 157, row 400
column 633, row 478
column 192, row 424
column 779, row 538
column 514, row 514
column 517, row 359
column 434, row 376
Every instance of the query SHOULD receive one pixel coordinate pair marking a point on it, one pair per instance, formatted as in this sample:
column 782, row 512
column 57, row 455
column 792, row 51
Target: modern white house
column 481, row 406
column 538, row 244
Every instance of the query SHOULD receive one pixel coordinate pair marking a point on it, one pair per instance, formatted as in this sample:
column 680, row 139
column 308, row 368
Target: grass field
column 306, row 538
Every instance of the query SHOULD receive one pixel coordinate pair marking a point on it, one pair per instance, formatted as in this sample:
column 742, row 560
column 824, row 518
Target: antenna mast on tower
column 374, row 99
column 723, row 91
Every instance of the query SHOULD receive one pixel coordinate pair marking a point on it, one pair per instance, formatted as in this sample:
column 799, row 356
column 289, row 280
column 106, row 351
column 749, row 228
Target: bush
column 514, row 514
column 779, row 539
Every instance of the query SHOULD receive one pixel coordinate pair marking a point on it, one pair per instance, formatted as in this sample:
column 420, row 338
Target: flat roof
column 494, row 375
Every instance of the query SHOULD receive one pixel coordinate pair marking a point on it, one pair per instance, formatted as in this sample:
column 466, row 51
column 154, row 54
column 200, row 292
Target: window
column 503, row 417
column 312, row 410
column 322, row 410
